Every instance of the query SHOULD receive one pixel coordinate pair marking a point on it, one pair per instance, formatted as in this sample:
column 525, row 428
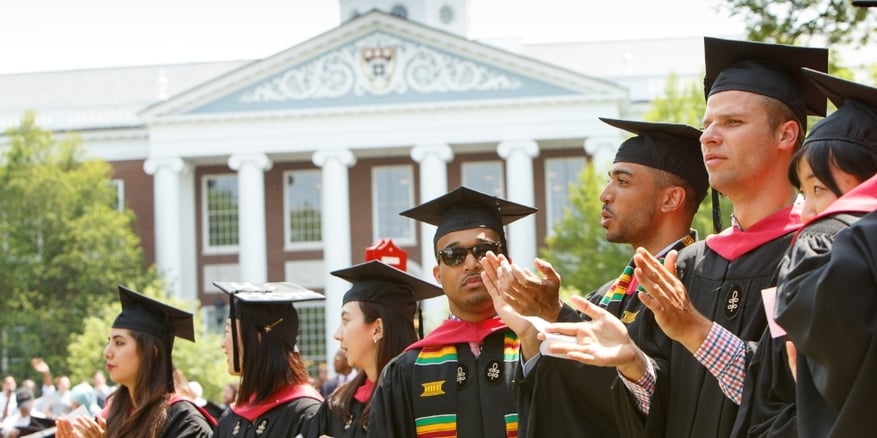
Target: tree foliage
column 63, row 248
column 829, row 22
column 578, row 248
column 682, row 102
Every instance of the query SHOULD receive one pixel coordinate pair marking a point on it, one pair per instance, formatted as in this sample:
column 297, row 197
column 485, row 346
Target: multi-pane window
column 312, row 334
column 303, row 208
column 484, row 176
column 118, row 187
column 392, row 193
column 559, row 174
column 220, row 201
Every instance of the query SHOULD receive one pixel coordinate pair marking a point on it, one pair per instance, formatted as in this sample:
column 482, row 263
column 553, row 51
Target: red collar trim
column 283, row 395
column 364, row 392
column 733, row 243
column 456, row 332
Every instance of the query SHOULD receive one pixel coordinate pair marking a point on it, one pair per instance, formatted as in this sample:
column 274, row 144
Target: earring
column 375, row 339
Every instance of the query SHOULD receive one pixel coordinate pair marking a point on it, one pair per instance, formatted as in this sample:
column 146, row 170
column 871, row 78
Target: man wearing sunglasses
column 656, row 183
column 458, row 380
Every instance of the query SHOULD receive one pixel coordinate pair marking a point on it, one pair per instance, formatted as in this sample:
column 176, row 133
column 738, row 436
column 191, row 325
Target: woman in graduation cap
column 834, row 170
column 275, row 398
column 377, row 323
column 138, row 358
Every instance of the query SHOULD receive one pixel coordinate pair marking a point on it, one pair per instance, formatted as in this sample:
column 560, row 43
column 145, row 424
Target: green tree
column 578, row 248
column 803, row 21
column 682, row 102
column 63, row 248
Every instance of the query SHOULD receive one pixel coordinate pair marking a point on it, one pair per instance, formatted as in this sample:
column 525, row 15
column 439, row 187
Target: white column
column 252, row 253
column 518, row 155
column 167, row 173
column 602, row 150
column 433, row 159
column 188, row 235
column 335, row 219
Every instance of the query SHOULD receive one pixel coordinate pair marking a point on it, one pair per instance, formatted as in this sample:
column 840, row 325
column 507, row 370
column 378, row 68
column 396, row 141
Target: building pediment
column 379, row 60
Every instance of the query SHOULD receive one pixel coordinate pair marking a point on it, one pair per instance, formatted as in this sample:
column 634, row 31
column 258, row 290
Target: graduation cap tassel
column 234, row 334
column 717, row 211
column 420, row 319
column 171, row 387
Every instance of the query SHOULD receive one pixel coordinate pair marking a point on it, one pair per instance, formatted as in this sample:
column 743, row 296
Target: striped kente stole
column 441, row 420
column 623, row 286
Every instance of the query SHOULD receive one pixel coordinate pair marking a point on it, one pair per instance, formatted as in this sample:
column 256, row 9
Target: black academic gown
column 562, row 397
column 327, row 423
column 284, row 420
column 445, row 391
column 688, row 401
column 769, row 406
column 832, row 322
column 185, row 420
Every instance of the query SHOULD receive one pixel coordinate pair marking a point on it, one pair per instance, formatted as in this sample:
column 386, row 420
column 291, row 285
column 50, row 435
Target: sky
column 47, row 35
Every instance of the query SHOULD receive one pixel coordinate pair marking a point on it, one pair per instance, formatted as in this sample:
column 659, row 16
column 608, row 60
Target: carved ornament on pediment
column 380, row 64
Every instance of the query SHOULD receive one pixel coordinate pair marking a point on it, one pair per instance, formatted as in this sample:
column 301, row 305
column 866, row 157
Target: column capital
column 174, row 164
column 258, row 159
column 441, row 150
column 507, row 147
column 344, row 156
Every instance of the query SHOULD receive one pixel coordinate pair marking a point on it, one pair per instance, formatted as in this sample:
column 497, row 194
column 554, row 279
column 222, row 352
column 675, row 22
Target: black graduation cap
column 671, row 147
column 855, row 120
column 772, row 70
column 464, row 208
column 379, row 283
column 268, row 307
column 144, row 314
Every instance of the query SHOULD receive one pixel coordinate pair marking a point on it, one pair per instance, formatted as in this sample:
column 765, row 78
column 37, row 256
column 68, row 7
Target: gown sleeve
column 391, row 413
column 184, row 420
column 318, row 423
column 831, row 321
column 768, row 408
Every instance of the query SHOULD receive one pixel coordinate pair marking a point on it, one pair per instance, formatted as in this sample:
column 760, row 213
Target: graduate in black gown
column 832, row 324
column 836, row 174
column 656, row 184
column 377, row 323
column 138, row 358
column 458, row 380
column 683, row 375
column 275, row 398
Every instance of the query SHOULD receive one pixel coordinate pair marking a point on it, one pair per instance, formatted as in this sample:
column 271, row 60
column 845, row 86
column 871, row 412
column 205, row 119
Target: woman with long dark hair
column 274, row 398
column 138, row 357
column 377, row 323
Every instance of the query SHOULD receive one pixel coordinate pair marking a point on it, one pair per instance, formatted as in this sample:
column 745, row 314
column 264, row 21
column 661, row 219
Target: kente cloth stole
column 435, row 403
column 623, row 286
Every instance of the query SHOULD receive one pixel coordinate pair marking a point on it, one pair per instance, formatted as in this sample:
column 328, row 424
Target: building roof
column 97, row 98
column 121, row 97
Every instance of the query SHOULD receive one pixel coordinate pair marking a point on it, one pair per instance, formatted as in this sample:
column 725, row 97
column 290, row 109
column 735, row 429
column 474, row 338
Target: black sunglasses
column 454, row 255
